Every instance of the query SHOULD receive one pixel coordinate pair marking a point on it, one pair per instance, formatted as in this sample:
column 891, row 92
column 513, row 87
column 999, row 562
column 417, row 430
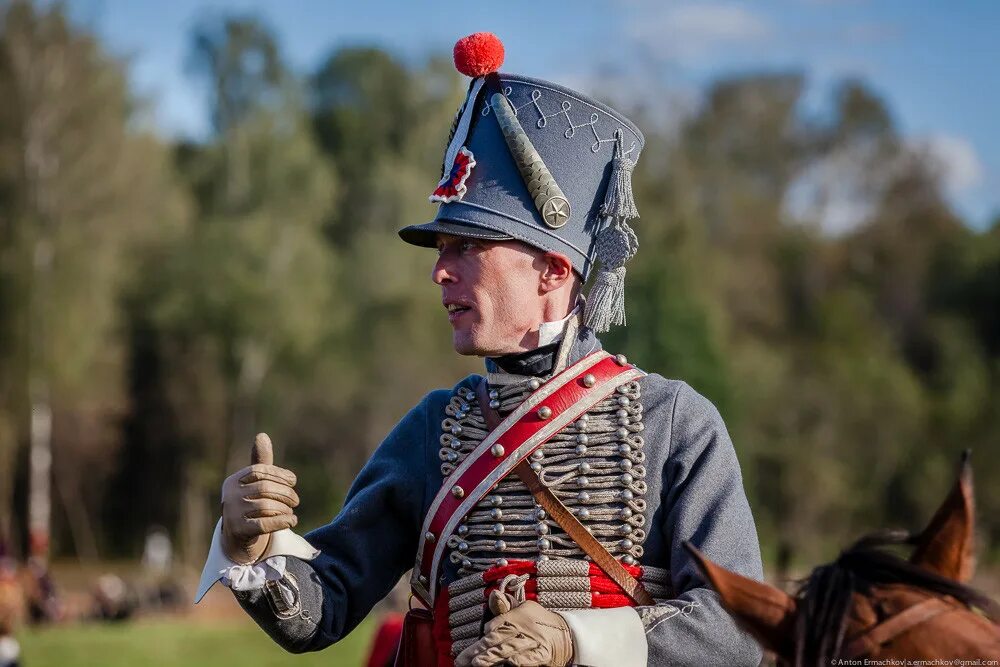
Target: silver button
column 621, row 359
column 429, row 536
column 457, row 491
column 422, row 579
column 589, row 380
column 497, row 450
column 544, row 412
column 534, row 384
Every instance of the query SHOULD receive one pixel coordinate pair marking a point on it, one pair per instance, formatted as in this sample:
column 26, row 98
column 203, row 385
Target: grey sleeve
column 363, row 551
column 702, row 501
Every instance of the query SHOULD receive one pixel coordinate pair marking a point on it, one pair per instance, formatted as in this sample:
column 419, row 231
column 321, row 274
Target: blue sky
column 934, row 62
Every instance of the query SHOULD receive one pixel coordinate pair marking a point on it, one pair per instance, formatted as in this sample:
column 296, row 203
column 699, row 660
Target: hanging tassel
column 606, row 301
column 616, row 245
column 619, row 202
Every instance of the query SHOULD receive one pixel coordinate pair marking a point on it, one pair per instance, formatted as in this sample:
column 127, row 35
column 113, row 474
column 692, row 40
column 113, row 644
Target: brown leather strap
column 894, row 626
column 562, row 515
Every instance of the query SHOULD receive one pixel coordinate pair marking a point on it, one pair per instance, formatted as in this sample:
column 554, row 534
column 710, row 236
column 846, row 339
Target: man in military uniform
column 535, row 194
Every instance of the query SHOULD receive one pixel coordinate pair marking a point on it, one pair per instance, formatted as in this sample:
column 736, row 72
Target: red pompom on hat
column 478, row 54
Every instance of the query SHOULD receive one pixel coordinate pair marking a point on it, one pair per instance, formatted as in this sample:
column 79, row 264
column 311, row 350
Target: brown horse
column 870, row 603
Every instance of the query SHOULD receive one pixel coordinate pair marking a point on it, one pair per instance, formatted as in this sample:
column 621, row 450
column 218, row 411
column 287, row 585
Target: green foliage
column 256, row 282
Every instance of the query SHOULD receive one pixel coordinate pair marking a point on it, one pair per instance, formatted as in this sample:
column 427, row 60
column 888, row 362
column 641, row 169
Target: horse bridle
column 895, row 625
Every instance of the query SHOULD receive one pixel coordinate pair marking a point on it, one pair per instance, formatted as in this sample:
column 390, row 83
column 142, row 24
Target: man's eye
column 468, row 245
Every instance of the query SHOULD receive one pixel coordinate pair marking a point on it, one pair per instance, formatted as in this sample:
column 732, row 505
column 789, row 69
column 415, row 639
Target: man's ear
column 945, row 547
column 558, row 270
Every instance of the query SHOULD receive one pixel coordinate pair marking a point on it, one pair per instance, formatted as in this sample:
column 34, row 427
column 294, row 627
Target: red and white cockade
column 452, row 186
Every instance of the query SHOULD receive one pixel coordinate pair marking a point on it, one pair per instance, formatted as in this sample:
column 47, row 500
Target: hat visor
column 425, row 235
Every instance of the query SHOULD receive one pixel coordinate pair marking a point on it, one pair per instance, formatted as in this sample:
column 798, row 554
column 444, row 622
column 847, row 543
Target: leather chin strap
column 892, row 627
column 562, row 515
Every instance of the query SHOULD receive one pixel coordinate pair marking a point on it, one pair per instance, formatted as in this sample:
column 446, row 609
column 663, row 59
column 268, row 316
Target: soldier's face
column 493, row 293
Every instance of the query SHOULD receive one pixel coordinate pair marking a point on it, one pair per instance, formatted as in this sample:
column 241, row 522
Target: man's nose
column 443, row 272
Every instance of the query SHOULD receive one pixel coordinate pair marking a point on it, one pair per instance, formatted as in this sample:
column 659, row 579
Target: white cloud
column 695, row 30
column 955, row 159
column 838, row 193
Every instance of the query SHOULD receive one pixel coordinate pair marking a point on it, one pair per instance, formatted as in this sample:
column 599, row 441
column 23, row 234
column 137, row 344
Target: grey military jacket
column 690, row 486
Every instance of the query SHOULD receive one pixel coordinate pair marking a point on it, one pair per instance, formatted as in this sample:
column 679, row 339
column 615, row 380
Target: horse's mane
column 824, row 598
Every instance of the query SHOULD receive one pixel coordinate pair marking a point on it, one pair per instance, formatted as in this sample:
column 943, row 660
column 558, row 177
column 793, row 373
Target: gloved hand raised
column 256, row 501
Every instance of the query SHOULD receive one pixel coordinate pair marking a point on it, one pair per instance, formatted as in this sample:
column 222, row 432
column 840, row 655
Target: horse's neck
column 957, row 633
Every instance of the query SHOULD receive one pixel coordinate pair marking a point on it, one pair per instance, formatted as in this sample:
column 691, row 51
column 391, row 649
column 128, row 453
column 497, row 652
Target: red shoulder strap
column 544, row 413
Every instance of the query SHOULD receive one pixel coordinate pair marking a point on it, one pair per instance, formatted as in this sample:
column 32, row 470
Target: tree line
column 162, row 300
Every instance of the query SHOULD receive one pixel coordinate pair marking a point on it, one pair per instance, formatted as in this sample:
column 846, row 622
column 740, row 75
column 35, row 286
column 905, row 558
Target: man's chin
column 465, row 345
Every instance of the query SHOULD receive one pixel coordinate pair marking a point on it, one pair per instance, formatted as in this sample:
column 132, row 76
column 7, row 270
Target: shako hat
column 540, row 163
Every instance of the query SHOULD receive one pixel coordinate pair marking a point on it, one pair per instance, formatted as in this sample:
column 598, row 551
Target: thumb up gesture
column 256, row 501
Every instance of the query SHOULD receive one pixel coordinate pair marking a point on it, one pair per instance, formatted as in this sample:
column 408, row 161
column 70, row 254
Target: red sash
column 544, row 413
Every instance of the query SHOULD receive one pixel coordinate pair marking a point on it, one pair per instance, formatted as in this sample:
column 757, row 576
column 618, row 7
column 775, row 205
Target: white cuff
column 252, row 576
column 606, row 637
column 249, row 577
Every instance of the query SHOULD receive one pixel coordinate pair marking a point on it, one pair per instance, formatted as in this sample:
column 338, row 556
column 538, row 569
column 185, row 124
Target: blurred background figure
column 44, row 603
column 157, row 553
column 113, row 599
column 12, row 610
column 162, row 587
